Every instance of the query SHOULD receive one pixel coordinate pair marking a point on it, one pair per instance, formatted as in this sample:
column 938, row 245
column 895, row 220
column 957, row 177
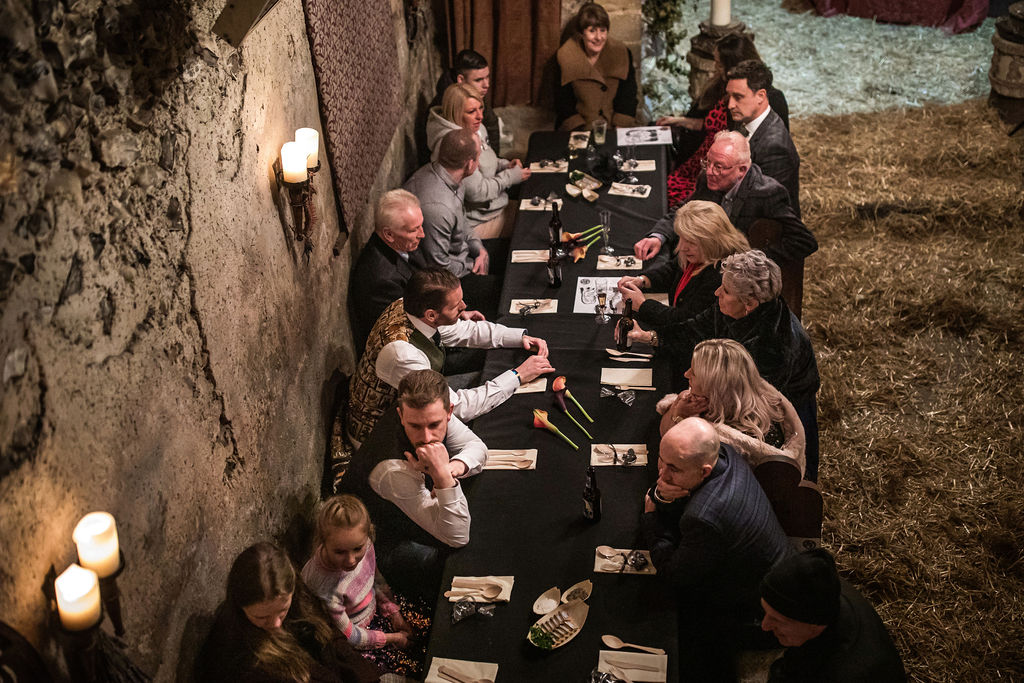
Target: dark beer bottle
column 555, row 228
column 623, row 326
column 554, row 268
column 591, row 497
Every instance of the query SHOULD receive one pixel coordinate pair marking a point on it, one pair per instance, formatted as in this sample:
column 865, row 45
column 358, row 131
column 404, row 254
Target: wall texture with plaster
column 166, row 348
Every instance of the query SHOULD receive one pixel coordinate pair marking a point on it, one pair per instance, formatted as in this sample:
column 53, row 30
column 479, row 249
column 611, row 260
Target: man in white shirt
column 412, row 334
column 407, row 472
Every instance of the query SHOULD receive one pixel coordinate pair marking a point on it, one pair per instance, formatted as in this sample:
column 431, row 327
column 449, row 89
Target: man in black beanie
column 831, row 633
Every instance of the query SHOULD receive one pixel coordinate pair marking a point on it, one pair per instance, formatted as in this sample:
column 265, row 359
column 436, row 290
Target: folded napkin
column 601, row 454
column 623, row 659
column 579, row 140
column 530, row 256
column 464, row 584
column 465, row 669
column 533, row 387
column 536, row 305
column 499, row 458
column 614, row 565
column 642, row 165
column 556, row 166
column 640, row 377
column 660, row 297
column 638, row 191
column 627, row 262
column 545, row 205
column 627, row 359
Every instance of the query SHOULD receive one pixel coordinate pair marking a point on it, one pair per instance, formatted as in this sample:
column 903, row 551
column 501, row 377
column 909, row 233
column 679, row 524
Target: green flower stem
column 556, row 431
column 591, row 242
column 590, row 230
column 582, row 409
column 569, row 415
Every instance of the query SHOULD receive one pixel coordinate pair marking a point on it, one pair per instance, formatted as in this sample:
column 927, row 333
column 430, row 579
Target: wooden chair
column 797, row 502
column 766, row 231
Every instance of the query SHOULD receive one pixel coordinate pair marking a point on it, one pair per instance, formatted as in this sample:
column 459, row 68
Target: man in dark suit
column 747, row 195
column 383, row 269
column 713, row 537
column 771, row 146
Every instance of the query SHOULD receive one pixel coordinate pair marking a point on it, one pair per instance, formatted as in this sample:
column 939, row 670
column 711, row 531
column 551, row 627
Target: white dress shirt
column 756, row 123
column 399, row 358
column 444, row 514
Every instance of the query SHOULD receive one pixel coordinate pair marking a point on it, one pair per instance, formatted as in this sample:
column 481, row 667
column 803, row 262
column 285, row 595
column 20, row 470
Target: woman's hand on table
column 632, row 292
column 647, row 248
column 533, row 367
column 535, row 344
column 516, row 163
column 640, row 282
column 637, row 335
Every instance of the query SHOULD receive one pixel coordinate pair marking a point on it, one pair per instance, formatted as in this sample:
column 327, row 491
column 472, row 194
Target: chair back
column 797, row 503
column 764, row 232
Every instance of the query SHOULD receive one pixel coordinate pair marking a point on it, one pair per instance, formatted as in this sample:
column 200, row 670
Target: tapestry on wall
column 356, row 65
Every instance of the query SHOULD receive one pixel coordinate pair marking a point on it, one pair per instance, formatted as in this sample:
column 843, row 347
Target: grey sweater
column 448, row 240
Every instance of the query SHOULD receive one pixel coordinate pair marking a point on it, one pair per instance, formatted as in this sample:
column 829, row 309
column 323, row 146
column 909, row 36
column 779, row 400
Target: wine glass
column 606, row 222
column 630, row 165
column 601, row 307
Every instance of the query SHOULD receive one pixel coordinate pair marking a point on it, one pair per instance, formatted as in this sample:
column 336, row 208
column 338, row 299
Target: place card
column 601, row 453
column 627, row 262
column 579, row 139
column 530, row 256
column 551, row 166
column 511, row 459
column 544, row 205
column 640, row 377
column 463, row 668
column 636, row 191
column 616, row 565
column 643, row 135
column 640, row 666
column 660, row 297
column 536, row 386
column 534, row 306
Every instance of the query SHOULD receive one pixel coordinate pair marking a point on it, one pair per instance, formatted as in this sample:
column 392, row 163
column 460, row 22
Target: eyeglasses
column 715, row 167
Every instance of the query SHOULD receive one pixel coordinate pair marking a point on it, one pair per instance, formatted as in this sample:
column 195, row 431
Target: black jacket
column 378, row 279
column 698, row 294
column 771, row 333
column 772, row 149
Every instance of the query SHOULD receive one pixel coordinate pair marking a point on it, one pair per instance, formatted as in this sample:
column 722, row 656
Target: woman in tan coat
column 596, row 78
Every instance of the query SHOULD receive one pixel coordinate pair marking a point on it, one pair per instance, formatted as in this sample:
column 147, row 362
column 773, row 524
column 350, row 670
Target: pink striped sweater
column 351, row 597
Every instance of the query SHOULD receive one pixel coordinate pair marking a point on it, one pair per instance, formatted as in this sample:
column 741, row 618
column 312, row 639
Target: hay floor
column 841, row 64
column 915, row 303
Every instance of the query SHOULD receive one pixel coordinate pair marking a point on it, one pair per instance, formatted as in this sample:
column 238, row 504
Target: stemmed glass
column 606, row 221
column 601, row 307
column 630, row 164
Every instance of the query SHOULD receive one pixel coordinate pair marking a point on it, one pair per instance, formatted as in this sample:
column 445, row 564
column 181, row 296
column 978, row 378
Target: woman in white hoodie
column 487, row 189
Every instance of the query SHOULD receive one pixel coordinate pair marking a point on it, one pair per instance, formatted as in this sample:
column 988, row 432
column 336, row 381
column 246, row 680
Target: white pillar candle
column 293, row 162
column 720, row 13
column 309, row 138
column 78, row 598
column 96, row 538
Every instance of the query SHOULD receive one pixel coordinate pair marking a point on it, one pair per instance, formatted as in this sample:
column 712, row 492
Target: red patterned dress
column 683, row 180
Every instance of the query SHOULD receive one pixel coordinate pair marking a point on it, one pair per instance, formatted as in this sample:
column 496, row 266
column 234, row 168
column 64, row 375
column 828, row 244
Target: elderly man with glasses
column 731, row 180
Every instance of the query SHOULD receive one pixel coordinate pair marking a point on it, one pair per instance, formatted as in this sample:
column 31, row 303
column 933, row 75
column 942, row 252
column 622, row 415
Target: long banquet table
column 529, row 524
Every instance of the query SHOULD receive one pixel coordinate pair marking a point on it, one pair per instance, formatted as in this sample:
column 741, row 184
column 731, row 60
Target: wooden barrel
column 1007, row 72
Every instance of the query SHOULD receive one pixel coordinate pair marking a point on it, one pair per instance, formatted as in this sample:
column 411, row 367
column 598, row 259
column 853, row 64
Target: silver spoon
column 617, row 643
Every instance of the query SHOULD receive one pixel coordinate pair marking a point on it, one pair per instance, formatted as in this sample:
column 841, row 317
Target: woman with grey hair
column 751, row 310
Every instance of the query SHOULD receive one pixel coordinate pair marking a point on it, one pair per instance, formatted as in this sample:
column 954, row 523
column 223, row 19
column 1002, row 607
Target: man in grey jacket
column 448, row 240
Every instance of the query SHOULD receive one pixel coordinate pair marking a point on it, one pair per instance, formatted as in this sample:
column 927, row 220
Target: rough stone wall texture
column 165, row 346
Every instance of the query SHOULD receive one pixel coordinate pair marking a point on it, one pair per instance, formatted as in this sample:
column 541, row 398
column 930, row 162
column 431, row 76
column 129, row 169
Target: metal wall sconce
column 299, row 162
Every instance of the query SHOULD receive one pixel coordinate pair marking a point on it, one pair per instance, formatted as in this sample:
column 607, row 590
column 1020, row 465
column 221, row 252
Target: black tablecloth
column 530, row 523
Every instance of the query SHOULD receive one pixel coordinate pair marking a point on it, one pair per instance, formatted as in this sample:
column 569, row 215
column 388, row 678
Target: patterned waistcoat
column 369, row 395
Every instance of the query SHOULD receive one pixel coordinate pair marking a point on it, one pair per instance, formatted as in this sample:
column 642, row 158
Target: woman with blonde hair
column 747, row 412
column 487, row 188
column 705, row 238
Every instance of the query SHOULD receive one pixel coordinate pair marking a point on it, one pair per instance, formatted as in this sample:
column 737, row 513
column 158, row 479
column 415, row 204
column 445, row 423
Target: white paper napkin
column 637, row 191
column 470, row 583
column 545, row 205
column 628, row 262
column 622, row 659
column 472, row 670
column 536, row 386
column 496, row 456
column 641, row 377
column 642, row 166
column 530, row 256
column 543, row 305
column 601, row 453
column 603, row 565
column 556, row 166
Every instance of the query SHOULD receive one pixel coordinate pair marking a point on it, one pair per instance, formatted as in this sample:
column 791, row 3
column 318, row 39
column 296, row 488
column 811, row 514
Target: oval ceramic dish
column 560, row 626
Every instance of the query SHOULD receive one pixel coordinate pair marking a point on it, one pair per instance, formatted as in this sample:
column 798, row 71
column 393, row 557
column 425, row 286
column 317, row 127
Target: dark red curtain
column 954, row 16
column 519, row 40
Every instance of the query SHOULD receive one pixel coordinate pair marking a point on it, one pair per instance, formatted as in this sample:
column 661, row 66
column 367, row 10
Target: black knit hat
column 804, row 587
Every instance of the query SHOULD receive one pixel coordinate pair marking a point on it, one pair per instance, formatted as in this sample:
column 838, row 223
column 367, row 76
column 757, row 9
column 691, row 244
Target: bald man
column 713, row 537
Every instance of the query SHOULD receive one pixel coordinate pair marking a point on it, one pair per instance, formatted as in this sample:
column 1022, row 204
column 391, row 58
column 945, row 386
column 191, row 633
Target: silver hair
column 390, row 207
column 740, row 144
column 753, row 277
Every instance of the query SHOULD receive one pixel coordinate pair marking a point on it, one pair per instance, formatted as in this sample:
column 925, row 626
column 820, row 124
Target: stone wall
column 167, row 350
